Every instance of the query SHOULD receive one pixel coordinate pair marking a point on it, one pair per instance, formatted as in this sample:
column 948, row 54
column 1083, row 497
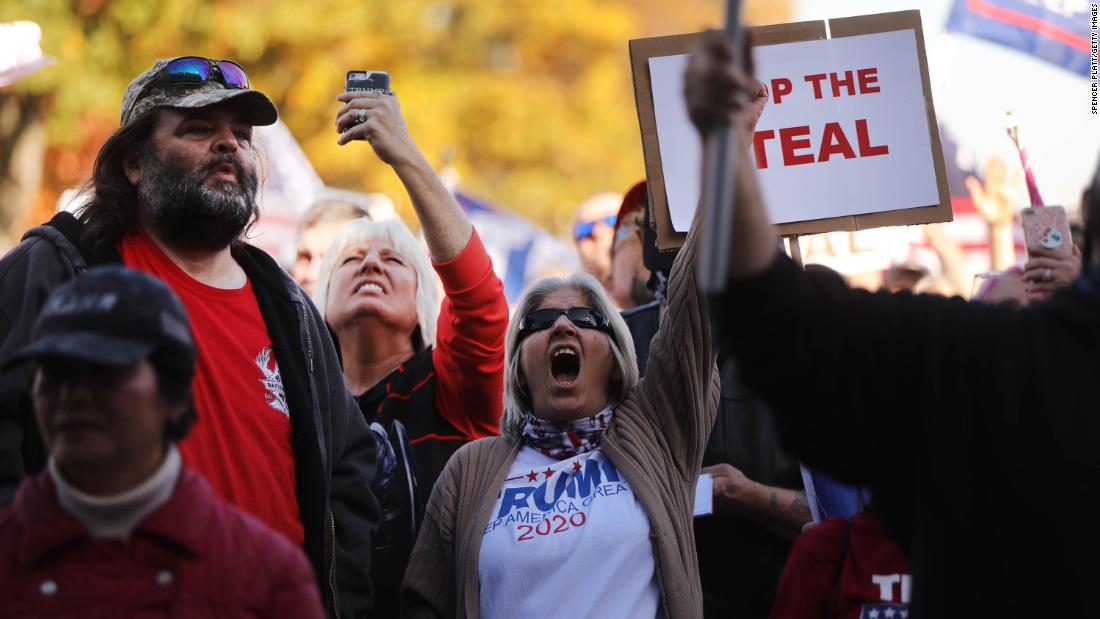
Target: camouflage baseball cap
column 145, row 93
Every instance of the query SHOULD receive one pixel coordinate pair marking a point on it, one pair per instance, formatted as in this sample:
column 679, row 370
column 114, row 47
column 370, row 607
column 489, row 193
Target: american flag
column 884, row 610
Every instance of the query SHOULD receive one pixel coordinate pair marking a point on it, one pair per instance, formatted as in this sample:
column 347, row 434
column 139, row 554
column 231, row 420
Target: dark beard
column 187, row 214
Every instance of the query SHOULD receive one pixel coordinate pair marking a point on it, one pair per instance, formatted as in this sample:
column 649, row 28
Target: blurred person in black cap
column 758, row 495
column 113, row 359
column 173, row 193
column 973, row 424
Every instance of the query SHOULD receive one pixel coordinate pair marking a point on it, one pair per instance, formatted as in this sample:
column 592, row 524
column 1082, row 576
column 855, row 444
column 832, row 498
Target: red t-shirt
column 867, row 578
column 241, row 440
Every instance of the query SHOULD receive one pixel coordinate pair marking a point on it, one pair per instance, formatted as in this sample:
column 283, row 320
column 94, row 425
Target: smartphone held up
column 367, row 81
column 1046, row 227
column 364, row 81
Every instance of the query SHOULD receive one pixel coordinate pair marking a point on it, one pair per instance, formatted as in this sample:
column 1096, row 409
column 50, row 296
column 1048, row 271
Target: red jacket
column 194, row 556
column 839, row 572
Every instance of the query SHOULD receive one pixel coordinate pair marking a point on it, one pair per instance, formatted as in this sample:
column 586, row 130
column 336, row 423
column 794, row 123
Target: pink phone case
column 1048, row 228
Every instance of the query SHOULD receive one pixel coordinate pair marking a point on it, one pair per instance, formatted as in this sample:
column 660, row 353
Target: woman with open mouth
column 583, row 508
column 427, row 378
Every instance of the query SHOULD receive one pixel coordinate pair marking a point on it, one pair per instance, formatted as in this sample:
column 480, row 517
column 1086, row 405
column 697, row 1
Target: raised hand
column 717, row 91
column 1047, row 270
column 376, row 118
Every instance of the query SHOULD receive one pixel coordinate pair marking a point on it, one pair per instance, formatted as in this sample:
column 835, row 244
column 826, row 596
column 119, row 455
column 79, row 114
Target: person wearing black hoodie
column 974, row 425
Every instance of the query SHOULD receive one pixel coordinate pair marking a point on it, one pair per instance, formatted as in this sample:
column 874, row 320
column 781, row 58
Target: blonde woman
column 427, row 377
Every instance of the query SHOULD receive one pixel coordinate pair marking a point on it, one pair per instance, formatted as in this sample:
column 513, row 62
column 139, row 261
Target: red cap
column 633, row 200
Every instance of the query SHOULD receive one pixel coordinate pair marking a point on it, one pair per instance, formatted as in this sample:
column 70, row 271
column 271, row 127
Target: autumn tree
column 533, row 100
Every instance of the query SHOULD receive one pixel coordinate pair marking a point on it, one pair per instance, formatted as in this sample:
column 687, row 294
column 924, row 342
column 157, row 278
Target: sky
column 975, row 82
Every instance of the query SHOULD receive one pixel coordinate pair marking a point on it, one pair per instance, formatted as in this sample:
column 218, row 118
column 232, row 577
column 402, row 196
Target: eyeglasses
column 583, row 229
column 196, row 69
column 584, row 317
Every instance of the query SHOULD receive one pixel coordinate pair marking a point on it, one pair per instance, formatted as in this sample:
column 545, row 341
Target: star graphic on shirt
column 549, row 472
column 904, row 613
column 889, row 612
column 873, row 613
column 576, row 465
column 532, row 476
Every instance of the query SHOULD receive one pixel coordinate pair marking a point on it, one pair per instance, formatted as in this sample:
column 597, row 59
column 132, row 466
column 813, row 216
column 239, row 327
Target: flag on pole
column 1056, row 31
column 521, row 251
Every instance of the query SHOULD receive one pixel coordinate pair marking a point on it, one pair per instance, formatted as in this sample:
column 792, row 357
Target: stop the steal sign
column 846, row 131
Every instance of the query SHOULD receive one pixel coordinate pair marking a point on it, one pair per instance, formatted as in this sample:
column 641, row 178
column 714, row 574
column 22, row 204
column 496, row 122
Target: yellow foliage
column 534, row 98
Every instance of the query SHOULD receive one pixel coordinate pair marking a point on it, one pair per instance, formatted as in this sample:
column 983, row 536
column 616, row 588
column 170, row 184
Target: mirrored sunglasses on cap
column 196, row 69
column 583, row 229
column 584, row 317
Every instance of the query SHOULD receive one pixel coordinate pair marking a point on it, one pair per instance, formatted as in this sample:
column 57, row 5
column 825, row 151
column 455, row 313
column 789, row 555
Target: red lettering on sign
column 847, row 83
column 816, row 80
column 865, row 148
column 788, row 141
column 867, row 80
column 758, row 147
column 833, row 142
column 797, row 144
column 781, row 87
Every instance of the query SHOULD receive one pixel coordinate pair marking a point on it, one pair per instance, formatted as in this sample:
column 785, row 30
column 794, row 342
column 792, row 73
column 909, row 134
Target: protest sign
column 848, row 140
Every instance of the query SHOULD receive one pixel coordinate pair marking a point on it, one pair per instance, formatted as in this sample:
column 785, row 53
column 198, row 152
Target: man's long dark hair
column 111, row 207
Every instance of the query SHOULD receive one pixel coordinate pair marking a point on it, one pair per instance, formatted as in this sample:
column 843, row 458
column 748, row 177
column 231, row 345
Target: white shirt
column 567, row 539
column 116, row 516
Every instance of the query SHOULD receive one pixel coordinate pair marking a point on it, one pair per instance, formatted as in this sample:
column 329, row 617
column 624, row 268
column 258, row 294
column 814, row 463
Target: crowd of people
column 186, row 429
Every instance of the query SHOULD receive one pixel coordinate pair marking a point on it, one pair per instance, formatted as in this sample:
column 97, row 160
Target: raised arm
column 445, row 226
column 718, row 93
column 469, row 351
column 680, row 388
column 848, row 373
column 681, row 376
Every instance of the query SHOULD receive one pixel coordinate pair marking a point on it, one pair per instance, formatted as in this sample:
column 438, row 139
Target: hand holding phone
column 1053, row 261
column 360, row 82
column 1046, row 228
column 375, row 117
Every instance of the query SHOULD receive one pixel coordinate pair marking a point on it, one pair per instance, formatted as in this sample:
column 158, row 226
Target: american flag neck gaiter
column 562, row 440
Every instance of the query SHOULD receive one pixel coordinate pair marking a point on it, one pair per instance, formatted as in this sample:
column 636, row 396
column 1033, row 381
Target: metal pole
column 718, row 179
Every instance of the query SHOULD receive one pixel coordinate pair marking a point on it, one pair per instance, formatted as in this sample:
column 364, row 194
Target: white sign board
column 845, row 131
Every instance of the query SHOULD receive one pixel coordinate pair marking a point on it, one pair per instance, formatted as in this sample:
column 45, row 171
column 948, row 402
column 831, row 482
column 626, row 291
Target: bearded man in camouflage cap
column 173, row 192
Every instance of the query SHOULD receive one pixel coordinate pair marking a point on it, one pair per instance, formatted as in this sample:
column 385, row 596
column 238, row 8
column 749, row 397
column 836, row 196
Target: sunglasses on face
column 583, row 317
column 583, row 229
column 196, row 69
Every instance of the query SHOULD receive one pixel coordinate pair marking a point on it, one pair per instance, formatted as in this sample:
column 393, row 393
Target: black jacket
column 976, row 427
column 334, row 452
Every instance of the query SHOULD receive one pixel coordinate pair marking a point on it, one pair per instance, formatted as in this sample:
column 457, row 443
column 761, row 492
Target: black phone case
column 372, row 81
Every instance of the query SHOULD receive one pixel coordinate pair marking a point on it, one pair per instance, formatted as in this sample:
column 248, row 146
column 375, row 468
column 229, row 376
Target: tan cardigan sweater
column 656, row 441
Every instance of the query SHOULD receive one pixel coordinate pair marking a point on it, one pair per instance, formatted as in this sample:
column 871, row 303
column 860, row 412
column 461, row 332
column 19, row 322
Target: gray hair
column 517, row 402
column 332, row 211
column 397, row 234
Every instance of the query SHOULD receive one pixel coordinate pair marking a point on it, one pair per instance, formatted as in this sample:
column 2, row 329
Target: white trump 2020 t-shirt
column 567, row 539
